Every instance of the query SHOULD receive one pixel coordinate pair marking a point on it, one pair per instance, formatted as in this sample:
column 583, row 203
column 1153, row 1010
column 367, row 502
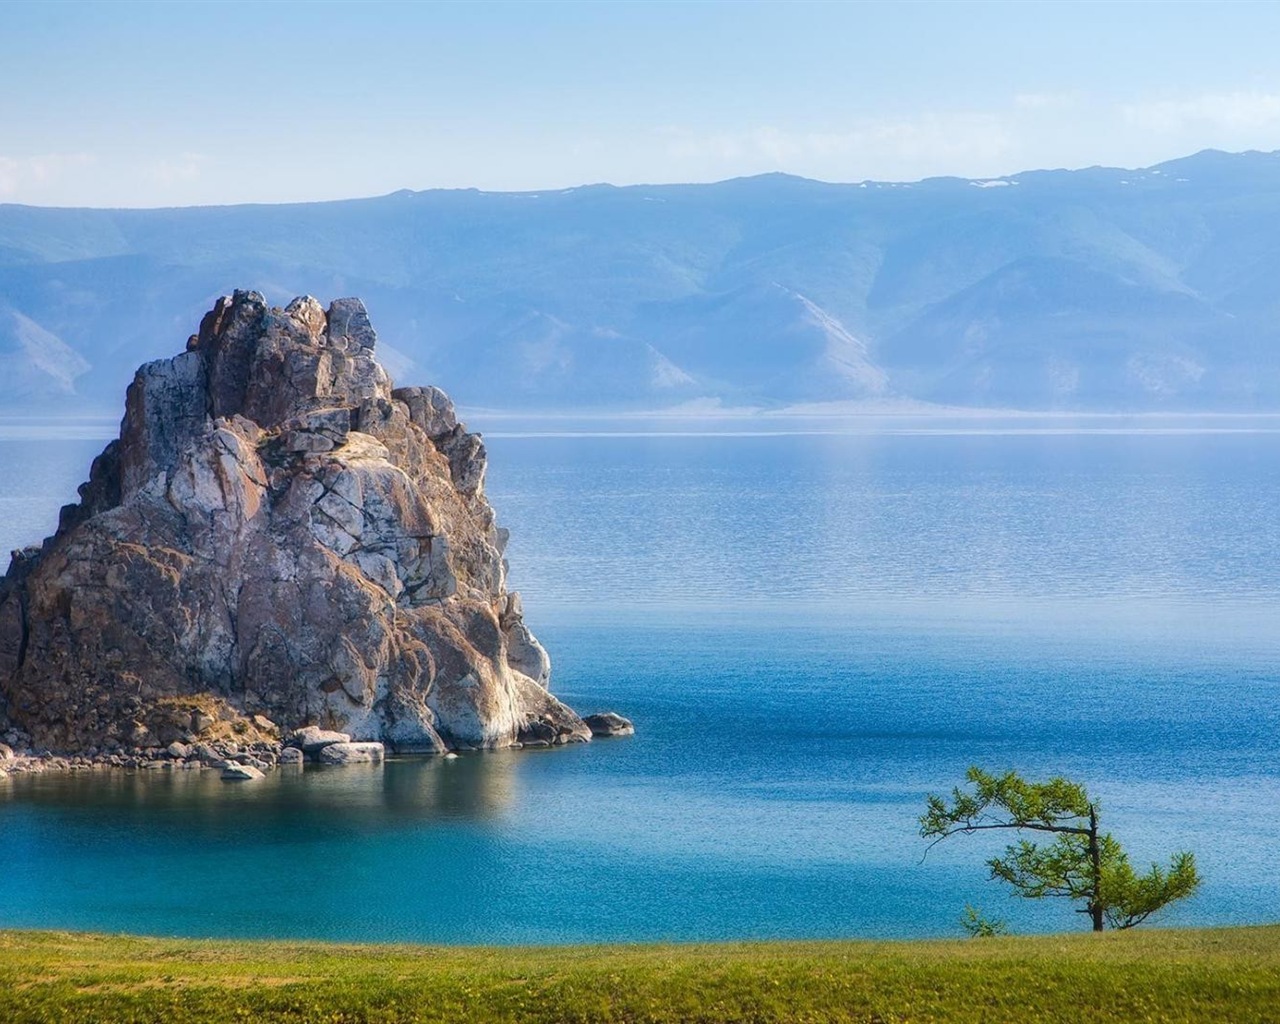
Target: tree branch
column 966, row 829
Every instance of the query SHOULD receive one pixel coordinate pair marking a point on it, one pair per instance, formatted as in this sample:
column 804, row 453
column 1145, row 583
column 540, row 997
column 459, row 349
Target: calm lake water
column 811, row 632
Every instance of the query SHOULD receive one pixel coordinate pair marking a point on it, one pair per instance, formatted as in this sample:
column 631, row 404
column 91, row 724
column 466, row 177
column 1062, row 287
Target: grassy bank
column 1219, row 975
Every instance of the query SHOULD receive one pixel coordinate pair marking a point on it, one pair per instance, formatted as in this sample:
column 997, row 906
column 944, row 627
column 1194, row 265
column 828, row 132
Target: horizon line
column 565, row 190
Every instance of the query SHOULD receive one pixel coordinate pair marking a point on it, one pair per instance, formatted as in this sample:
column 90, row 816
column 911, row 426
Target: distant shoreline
column 795, row 422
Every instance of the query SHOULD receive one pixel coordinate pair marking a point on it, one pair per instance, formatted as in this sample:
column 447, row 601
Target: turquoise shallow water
column 810, row 633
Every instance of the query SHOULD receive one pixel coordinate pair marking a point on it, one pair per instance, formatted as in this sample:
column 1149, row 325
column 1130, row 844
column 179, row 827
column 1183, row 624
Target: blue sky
column 132, row 104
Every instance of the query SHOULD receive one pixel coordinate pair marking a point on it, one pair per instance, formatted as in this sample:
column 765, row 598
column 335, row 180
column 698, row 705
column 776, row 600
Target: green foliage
column 1051, row 804
column 979, row 926
column 1079, row 863
column 1059, row 868
column 1129, row 898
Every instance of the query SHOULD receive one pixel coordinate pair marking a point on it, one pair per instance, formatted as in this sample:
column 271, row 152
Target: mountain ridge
column 1043, row 289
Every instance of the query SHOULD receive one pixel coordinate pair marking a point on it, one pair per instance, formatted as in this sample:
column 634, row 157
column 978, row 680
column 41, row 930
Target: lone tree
column 1079, row 863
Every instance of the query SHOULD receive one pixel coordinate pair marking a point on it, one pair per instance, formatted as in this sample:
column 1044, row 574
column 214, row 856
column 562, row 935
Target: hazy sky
column 146, row 104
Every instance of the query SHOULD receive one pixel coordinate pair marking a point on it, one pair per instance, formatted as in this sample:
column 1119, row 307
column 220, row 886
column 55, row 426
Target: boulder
column 240, row 773
column 312, row 739
column 608, row 724
column 291, row 756
column 352, row 753
column 265, row 726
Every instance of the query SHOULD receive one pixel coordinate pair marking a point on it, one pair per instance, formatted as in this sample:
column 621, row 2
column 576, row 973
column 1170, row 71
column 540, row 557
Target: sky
column 164, row 104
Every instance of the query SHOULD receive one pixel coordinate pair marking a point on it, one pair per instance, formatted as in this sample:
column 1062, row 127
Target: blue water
column 811, row 632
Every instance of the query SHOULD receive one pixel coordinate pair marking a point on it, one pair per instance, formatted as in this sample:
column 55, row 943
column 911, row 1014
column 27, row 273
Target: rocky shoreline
column 235, row 760
column 262, row 756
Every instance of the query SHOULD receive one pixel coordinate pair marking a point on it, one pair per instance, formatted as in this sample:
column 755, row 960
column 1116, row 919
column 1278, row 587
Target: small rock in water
column 351, row 753
column 240, row 773
column 291, row 755
column 607, row 723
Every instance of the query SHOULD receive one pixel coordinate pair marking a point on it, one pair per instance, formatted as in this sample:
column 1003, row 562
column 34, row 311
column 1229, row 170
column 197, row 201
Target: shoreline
column 1145, row 934
column 261, row 756
column 220, row 755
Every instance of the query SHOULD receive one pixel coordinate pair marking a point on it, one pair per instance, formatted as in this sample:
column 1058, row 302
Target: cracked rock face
column 277, row 532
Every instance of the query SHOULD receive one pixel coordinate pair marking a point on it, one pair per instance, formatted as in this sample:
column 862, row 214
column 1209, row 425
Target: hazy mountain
column 34, row 364
column 1100, row 288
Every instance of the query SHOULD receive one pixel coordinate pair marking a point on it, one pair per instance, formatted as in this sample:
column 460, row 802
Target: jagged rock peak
column 277, row 532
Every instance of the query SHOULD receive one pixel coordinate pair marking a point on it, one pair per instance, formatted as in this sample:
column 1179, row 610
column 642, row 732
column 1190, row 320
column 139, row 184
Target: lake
column 812, row 629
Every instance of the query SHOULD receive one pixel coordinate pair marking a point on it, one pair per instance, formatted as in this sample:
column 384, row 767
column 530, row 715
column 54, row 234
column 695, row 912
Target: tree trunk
column 1095, row 861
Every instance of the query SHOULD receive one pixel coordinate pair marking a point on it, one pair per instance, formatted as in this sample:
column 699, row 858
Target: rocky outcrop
column 278, row 539
column 609, row 724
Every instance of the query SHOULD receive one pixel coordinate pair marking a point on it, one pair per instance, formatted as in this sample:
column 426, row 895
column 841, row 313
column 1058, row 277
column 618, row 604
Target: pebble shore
column 16, row 757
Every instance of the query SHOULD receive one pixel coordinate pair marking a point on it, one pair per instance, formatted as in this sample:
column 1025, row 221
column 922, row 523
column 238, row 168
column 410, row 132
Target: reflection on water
column 356, row 796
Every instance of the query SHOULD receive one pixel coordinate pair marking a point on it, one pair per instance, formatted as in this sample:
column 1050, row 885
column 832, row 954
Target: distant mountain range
column 1097, row 289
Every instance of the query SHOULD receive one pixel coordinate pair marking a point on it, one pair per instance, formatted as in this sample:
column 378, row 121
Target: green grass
column 1228, row 975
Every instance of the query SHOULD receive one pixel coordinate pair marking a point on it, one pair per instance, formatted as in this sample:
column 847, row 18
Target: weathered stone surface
column 352, row 753
column 241, row 773
column 608, row 724
column 277, row 533
column 291, row 756
column 312, row 739
column 430, row 409
column 524, row 652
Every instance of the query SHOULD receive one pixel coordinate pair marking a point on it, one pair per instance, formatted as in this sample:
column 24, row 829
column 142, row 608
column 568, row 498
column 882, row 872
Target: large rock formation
column 277, row 539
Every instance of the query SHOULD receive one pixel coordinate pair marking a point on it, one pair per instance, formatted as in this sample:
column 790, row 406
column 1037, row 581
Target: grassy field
column 1228, row 975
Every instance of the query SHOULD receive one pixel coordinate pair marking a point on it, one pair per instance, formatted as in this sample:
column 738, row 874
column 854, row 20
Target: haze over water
column 811, row 631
